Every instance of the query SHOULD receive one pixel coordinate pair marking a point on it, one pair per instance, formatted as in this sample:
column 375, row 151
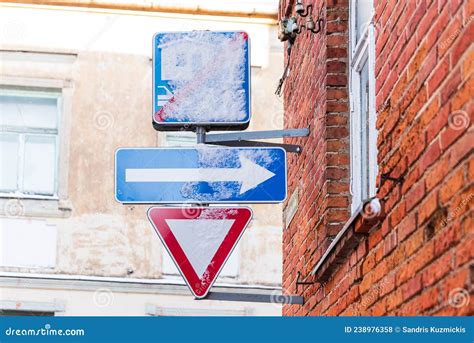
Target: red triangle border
column 199, row 287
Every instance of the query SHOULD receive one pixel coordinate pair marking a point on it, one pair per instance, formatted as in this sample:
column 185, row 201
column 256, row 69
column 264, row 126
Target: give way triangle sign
column 199, row 240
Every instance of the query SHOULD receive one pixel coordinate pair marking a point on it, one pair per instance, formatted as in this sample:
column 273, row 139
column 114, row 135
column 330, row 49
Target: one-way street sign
column 202, row 174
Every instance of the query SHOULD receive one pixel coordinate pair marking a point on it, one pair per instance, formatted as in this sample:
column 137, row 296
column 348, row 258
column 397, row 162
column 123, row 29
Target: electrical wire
column 286, row 71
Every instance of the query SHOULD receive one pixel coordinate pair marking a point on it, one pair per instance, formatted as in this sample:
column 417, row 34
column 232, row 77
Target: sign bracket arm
column 260, row 298
column 244, row 143
column 245, row 139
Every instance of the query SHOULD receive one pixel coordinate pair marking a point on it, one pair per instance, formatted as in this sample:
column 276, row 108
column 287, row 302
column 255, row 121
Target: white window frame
column 182, row 139
column 361, row 52
column 41, row 93
column 28, row 243
column 231, row 268
column 39, row 206
column 56, row 307
column 158, row 311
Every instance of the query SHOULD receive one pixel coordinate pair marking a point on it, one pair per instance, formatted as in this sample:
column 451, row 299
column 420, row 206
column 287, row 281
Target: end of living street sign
column 201, row 78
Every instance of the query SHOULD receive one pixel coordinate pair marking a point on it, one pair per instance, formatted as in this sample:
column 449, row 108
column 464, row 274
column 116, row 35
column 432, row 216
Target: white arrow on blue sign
column 200, row 175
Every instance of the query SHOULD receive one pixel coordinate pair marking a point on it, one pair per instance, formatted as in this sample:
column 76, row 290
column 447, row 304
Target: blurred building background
column 75, row 85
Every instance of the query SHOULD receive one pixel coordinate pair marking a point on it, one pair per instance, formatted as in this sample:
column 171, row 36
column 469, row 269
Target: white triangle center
column 200, row 239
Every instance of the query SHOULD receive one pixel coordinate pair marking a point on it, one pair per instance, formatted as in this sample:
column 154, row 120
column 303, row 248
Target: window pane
column 364, row 139
column 364, row 10
column 9, row 162
column 184, row 139
column 231, row 268
column 25, row 111
column 9, row 313
column 39, row 165
column 27, row 243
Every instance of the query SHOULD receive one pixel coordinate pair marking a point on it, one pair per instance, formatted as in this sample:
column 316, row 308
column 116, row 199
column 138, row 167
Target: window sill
column 28, row 196
column 34, row 206
column 355, row 230
column 178, row 277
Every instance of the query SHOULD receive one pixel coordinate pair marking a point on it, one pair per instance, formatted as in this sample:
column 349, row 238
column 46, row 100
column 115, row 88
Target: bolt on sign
column 201, row 78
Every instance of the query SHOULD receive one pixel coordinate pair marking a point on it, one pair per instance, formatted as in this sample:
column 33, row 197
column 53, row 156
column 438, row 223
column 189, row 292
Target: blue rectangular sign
column 203, row 174
column 201, row 78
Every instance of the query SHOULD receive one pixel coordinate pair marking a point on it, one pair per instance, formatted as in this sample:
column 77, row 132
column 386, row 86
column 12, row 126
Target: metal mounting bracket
column 260, row 298
column 245, row 139
column 300, row 282
column 387, row 176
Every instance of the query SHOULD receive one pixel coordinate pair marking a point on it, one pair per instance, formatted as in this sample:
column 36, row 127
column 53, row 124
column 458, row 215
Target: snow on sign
column 204, row 174
column 199, row 240
column 201, row 78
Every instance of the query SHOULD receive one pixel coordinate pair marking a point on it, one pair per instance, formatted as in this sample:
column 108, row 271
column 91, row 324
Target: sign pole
column 200, row 135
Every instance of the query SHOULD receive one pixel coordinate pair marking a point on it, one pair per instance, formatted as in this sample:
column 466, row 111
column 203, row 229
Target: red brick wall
column 316, row 97
column 418, row 259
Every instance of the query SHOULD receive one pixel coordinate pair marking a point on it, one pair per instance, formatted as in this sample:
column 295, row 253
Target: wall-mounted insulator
column 300, row 10
column 310, row 23
column 299, row 7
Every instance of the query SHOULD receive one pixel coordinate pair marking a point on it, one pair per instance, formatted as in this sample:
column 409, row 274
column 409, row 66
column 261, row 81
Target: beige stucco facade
column 100, row 62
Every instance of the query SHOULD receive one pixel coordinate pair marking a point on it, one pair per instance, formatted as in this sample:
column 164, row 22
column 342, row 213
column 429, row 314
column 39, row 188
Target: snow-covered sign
column 201, row 78
column 204, row 174
column 199, row 240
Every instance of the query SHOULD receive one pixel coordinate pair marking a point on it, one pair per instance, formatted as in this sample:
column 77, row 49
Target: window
column 25, row 313
column 27, row 243
column 182, row 139
column 16, row 307
column 362, row 96
column 231, row 268
column 29, row 142
column 153, row 310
